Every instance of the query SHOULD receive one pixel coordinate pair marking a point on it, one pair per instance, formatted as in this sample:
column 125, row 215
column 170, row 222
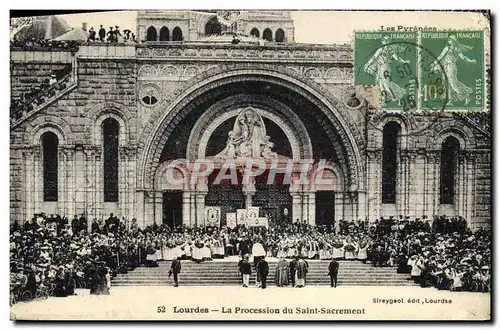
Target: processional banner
column 212, row 216
column 231, row 220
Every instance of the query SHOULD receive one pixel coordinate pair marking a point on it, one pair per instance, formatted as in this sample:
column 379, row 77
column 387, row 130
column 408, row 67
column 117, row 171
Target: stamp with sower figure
column 460, row 57
column 388, row 61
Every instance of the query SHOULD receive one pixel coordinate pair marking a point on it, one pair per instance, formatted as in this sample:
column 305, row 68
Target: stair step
column 225, row 273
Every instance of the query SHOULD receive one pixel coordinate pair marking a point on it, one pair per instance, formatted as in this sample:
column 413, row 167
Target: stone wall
column 111, row 79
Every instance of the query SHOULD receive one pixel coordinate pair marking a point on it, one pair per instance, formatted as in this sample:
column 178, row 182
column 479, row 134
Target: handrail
column 43, row 98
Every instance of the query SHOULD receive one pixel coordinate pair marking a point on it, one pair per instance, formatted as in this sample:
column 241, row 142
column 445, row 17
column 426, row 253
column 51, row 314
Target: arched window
column 110, row 132
column 164, row 34
column 50, row 143
column 280, row 35
column 255, row 32
column 151, row 34
column 267, row 34
column 213, row 27
column 390, row 162
column 177, row 34
column 449, row 157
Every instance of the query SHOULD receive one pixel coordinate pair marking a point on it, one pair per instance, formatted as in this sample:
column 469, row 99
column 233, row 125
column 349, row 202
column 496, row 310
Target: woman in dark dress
column 103, row 283
column 95, row 280
column 60, row 289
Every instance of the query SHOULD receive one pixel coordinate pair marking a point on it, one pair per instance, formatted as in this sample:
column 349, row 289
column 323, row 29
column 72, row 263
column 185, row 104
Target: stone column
column 339, row 208
column 62, row 185
column 98, row 183
column 361, row 214
column 29, row 180
column 460, row 185
column 186, row 209
column 311, row 208
column 158, row 207
column 433, row 188
column 70, row 171
column 200, row 208
column 471, row 186
column 296, row 206
column 374, row 200
column 249, row 190
column 38, row 181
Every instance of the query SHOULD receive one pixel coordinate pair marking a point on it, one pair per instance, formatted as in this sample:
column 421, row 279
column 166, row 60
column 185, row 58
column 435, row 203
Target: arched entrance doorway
column 326, row 138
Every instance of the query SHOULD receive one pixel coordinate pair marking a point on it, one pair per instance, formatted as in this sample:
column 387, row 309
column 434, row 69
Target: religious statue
column 228, row 19
column 248, row 138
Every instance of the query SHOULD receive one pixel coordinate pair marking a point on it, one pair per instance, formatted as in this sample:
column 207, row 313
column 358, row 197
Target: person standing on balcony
column 102, row 34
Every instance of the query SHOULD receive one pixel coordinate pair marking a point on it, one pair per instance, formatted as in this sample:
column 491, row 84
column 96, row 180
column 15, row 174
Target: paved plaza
column 231, row 302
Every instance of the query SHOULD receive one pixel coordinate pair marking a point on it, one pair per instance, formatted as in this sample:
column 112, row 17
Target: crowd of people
column 44, row 44
column 39, row 93
column 51, row 251
column 112, row 35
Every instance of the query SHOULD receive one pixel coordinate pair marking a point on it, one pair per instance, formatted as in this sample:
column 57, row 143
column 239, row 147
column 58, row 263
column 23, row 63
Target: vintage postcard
column 251, row 165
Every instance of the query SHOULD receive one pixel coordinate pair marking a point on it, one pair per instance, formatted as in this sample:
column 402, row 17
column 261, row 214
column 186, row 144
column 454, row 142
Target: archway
column 177, row 34
column 164, row 34
column 280, row 35
column 151, row 34
column 255, row 32
column 267, row 34
column 213, row 27
column 331, row 137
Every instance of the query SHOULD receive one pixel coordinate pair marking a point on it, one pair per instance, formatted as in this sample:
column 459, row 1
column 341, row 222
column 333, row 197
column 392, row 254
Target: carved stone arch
column 316, row 185
column 444, row 134
column 44, row 123
column 169, row 70
column 161, row 121
column 191, row 71
column 202, row 22
column 228, row 108
column 44, row 128
column 98, row 117
column 147, row 70
column 164, row 180
column 457, row 129
column 402, row 121
column 313, row 73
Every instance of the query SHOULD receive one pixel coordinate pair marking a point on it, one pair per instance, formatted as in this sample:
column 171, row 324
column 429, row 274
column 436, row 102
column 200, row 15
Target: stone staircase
column 351, row 273
column 29, row 107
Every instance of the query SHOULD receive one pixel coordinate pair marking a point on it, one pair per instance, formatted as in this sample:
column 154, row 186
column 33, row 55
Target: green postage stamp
column 388, row 60
column 422, row 70
column 459, row 55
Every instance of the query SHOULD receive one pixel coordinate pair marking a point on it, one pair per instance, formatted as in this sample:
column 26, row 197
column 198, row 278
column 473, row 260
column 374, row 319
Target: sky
column 320, row 27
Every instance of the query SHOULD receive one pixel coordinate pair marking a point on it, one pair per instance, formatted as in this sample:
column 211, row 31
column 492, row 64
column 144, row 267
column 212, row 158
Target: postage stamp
column 388, row 60
column 458, row 55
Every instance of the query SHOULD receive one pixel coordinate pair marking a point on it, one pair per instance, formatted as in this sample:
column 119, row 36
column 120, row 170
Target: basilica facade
column 101, row 139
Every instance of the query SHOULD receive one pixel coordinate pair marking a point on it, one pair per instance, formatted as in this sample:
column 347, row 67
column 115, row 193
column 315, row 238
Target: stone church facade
column 122, row 113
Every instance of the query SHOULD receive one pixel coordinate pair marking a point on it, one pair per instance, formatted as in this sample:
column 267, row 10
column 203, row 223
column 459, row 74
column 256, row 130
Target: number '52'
column 160, row 309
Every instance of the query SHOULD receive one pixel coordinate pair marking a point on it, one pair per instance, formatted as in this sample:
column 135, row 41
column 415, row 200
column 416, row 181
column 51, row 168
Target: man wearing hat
column 175, row 268
column 245, row 270
column 102, row 34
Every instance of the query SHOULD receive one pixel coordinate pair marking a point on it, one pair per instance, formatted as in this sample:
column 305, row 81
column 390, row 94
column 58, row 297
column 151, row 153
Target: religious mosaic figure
column 248, row 138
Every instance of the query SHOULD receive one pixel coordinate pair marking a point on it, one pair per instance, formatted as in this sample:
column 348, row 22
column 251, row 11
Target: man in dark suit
column 293, row 270
column 175, row 269
column 102, row 34
column 263, row 271
column 333, row 270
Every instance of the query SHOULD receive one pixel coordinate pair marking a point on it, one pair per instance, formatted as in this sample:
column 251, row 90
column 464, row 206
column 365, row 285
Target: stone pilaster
column 433, row 188
column 373, row 181
column 470, row 158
